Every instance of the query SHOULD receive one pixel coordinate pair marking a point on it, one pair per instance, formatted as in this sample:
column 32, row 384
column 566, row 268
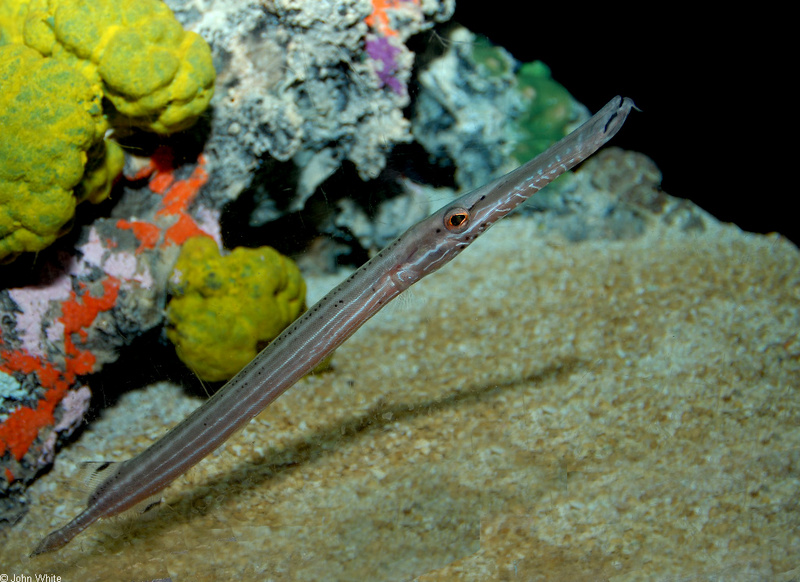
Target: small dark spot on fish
column 610, row 119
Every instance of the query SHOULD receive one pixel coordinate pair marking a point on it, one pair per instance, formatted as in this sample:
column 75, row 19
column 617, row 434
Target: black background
column 714, row 116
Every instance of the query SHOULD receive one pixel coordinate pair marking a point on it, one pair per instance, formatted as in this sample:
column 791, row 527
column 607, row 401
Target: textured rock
column 81, row 310
column 295, row 82
column 473, row 109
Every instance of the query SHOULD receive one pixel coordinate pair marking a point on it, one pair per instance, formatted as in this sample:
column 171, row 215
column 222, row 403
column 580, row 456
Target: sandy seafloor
column 536, row 410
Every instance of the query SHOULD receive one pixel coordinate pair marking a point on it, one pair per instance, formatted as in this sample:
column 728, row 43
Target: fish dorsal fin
column 92, row 473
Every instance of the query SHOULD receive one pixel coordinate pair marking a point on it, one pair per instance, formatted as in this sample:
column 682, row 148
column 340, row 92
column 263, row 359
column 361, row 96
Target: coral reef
column 477, row 113
column 84, row 309
column 304, row 87
column 225, row 309
column 318, row 83
column 314, row 83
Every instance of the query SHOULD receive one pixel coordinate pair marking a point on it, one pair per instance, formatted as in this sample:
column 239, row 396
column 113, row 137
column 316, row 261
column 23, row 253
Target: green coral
column 495, row 61
column 225, row 309
column 60, row 62
column 45, row 97
column 549, row 113
column 548, row 110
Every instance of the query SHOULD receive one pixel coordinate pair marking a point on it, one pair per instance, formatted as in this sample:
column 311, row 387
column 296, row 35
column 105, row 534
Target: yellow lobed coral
column 225, row 309
column 155, row 74
column 44, row 97
column 53, row 153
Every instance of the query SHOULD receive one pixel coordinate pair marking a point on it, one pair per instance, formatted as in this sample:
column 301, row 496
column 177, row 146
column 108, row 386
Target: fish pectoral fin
column 146, row 505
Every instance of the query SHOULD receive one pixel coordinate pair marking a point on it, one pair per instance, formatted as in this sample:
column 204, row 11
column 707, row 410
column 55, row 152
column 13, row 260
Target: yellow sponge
column 157, row 75
column 225, row 309
column 53, row 125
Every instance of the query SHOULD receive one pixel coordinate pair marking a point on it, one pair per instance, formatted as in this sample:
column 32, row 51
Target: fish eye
column 456, row 220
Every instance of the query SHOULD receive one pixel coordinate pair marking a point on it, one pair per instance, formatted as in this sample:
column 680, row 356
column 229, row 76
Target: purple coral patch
column 383, row 52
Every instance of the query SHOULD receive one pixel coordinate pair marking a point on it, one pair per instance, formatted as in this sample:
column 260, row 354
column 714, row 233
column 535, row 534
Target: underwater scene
column 254, row 323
